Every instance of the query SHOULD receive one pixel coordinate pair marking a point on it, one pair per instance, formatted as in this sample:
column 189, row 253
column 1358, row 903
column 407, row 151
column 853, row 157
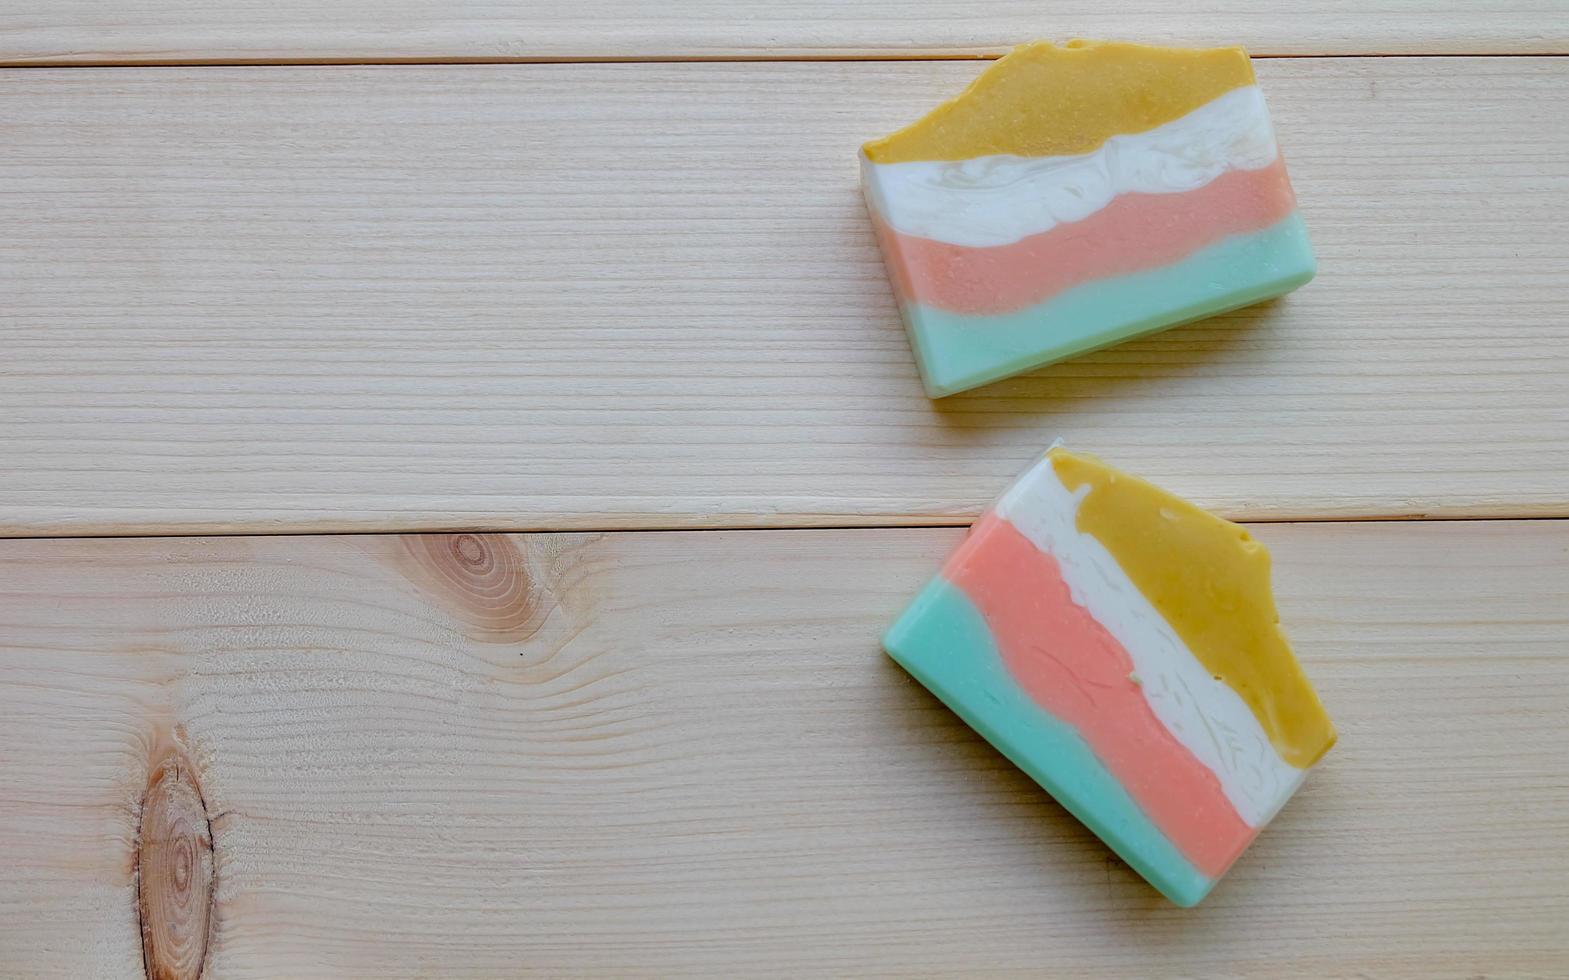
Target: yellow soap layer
column 1042, row 100
column 1210, row 580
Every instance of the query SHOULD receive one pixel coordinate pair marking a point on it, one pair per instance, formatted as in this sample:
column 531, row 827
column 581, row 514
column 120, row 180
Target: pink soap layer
column 1133, row 233
column 1069, row 665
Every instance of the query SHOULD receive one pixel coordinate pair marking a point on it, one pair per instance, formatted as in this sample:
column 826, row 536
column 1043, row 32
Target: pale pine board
column 684, row 753
column 554, row 297
column 175, row 31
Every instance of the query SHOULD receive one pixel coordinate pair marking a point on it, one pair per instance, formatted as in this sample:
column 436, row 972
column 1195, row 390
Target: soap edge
column 869, row 148
column 1018, row 757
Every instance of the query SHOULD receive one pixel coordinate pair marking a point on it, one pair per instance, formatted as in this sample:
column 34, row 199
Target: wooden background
column 598, row 273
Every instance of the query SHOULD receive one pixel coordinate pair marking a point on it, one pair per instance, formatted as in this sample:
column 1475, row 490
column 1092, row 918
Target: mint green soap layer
column 957, row 351
column 944, row 642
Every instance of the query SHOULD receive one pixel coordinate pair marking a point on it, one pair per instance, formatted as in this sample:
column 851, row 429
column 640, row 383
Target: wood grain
column 557, row 297
column 184, row 31
column 695, row 760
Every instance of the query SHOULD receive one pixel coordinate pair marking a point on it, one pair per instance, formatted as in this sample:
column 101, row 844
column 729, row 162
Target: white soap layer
column 1209, row 718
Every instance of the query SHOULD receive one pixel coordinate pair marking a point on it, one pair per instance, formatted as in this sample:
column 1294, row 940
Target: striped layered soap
column 1121, row 646
column 1074, row 197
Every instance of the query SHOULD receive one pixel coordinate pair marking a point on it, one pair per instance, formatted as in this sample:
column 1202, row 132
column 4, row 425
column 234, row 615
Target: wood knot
column 174, row 874
column 484, row 579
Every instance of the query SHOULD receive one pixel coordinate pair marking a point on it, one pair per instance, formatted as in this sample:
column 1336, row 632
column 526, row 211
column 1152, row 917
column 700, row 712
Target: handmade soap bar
column 1075, row 197
column 1121, row 646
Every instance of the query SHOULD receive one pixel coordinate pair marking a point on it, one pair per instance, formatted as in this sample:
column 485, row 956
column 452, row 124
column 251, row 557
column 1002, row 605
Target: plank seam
column 677, row 529
column 460, row 60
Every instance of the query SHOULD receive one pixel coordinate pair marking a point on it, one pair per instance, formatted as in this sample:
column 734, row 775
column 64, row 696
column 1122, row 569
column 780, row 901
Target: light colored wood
column 683, row 753
column 176, row 31
column 556, row 297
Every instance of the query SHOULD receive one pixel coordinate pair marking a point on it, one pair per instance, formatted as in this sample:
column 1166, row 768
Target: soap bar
column 1074, row 197
column 1121, row 646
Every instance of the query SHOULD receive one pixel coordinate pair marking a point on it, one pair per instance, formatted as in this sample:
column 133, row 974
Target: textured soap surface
column 1073, row 197
column 1122, row 647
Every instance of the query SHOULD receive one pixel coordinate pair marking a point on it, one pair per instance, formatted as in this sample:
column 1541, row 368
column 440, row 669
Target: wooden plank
column 556, row 297
column 683, row 753
column 159, row 31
